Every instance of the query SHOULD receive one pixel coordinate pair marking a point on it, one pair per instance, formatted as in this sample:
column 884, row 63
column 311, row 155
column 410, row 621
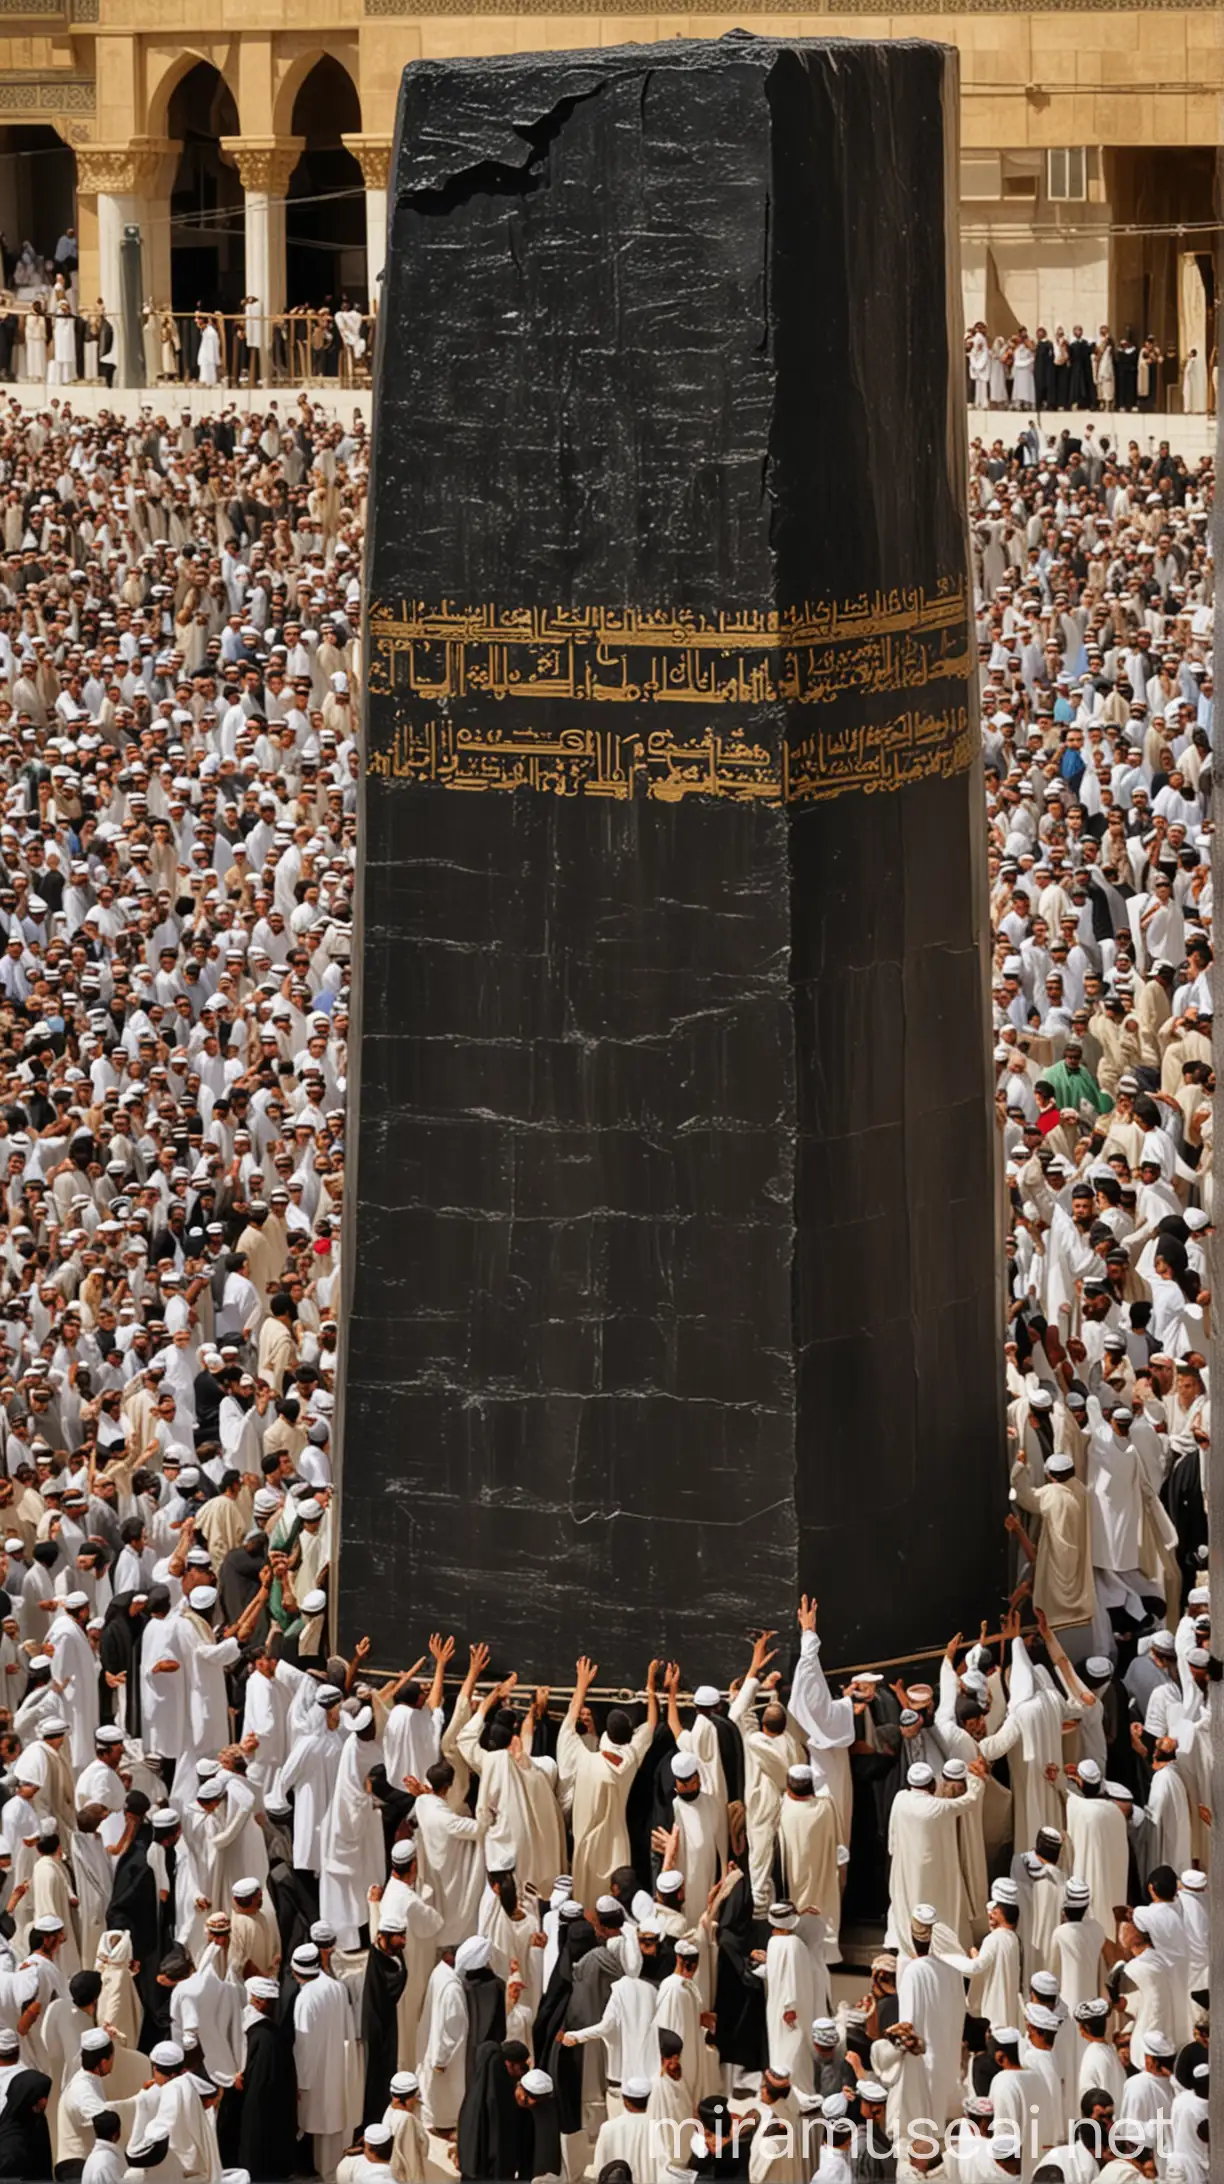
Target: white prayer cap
column 14, row 1546
column 706, row 1695
column 323, row 1935
column 108, row 1734
column 1041, row 1399
column 954, row 1770
column 570, row 1910
column 315, row 1602
column 1198, row 1657
column 1088, row 1771
column 363, row 1717
column 198, row 1558
column 1005, row 2035
column 1159, row 2044
column 824, row 2032
column 310, row 1509
column 1162, row 1641
column 328, row 1695
column 377, row 2134
column 48, row 1924
column 1141, row 1919
column 537, row 2082
column 203, row 1596
column 923, row 1914
column 562, row 1888
column 393, row 1925
column 1195, row 1218
column 266, row 1503
column 784, row 1916
column 1040, row 2018
column 10, row 2040
column 1097, row 2007
column 636, row 2089
column 1098, row 1664
column 687, row 1949
column 606, row 1904
column 75, row 1600
column 1060, row 1467
column 53, row 1726
column 1076, row 1891
column 684, row 1766
column 47, row 1827
column 405, row 2085
column 870, row 2089
column 167, row 2055
column 263, row 1990
column 473, row 1954
column 669, row 1883
column 920, row 1776
column 1193, row 1879
column 242, row 1891
column 799, row 1778
column 402, row 1854
column 1199, row 1596
column 833, row 2107
column 499, row 1861
column 1004, row 1891
column 1045, row 1984
column 210, row 1792
column 305, row 1959
column 164, row 1817
column 1119, row 1793
column 95, row 2041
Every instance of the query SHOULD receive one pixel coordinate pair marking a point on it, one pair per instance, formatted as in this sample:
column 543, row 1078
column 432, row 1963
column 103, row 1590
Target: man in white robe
column 598, row 1782
column 931, row 1998
column 75, row 1670
column 1099, row 1847
column 321, row 2025
column 924, row 1849
column 444, row 2023
column 352, row 1840
column 790, row 1999
column 451, row 1866
column 310, row 1774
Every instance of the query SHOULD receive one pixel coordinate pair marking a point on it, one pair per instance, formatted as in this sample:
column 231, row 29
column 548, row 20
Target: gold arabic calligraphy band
column 466, row 698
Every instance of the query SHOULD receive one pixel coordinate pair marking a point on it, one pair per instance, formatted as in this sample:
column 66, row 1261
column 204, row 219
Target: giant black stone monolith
column 670, row 1238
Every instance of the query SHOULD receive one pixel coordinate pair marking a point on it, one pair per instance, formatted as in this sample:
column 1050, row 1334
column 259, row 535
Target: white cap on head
column 537, row 2083
column 95, row 2041
column 669, row 1883
column 405, row 2085
column 684, row 1766
column 706, row 1694
column 166, row 2055
column 920, row 1776
column 473, row 1954
column 377, row 2134
column 1088, row 1771
column 263, row 1990
column 636, row 2089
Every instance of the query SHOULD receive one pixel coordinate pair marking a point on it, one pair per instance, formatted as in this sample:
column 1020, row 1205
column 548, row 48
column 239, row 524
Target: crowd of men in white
column 263, row 1914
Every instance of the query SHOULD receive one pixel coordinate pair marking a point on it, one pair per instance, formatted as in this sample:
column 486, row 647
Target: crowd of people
column 264, row 1912
column 1078, row 371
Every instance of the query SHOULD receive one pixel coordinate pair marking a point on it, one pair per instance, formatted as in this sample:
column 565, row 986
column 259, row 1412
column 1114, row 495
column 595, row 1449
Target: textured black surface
column 670, row 1246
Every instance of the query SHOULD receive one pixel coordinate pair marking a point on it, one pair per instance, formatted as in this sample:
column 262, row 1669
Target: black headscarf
column 135, row 1909
column 25, row 2139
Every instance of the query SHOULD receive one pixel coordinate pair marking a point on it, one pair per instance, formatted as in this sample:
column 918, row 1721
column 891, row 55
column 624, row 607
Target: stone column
column 373, row 155
column 130, row 184
column 264, row 166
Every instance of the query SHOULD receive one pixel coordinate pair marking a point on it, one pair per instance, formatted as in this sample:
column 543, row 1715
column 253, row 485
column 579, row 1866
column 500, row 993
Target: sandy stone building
column 249, row 140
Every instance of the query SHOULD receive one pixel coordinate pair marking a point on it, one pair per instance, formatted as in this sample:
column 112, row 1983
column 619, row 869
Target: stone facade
column 1109, row 81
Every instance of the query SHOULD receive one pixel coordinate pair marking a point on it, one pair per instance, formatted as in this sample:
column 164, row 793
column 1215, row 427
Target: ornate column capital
column 121, row 170
column 373, row 156
column 264, row 163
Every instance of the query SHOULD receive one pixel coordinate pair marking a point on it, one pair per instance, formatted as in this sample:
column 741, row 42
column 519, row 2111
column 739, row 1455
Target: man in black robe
column 386, row 1977
column 134, row 1907
column 495, row 2136
column 267, row 2130
column 1043, row 370
column 538, row 2098
column 1182, row 1495
column 484, row 1994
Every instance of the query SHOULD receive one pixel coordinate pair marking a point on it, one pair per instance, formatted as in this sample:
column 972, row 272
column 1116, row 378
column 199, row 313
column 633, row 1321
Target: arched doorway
column 325, row 206
column 37, row 190
column 207, row 261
